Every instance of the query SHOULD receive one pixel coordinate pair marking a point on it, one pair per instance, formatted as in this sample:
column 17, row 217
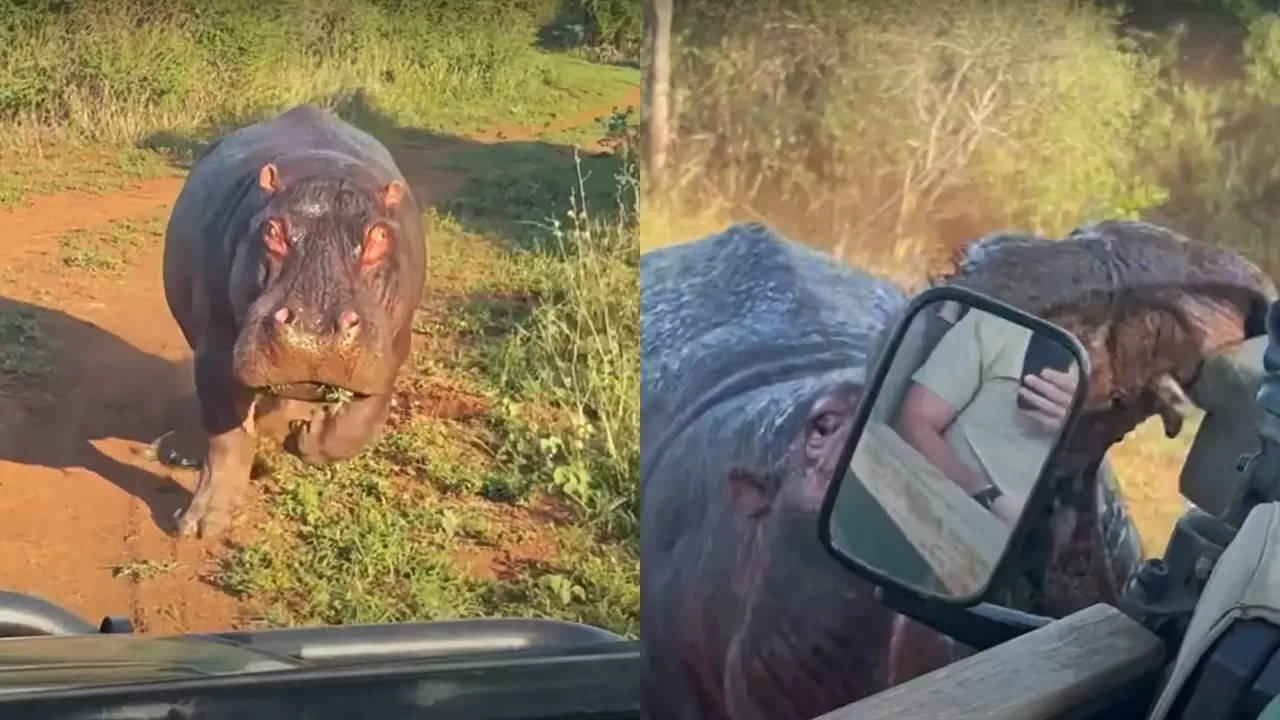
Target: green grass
column 120, row 71
column 137, row 570
column 568, row 86
column 156, row 81
column 66, row 167
column 21, row 344
column 107, row 248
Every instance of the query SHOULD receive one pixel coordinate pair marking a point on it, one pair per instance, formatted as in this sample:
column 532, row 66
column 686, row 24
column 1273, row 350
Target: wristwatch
column 987, row 495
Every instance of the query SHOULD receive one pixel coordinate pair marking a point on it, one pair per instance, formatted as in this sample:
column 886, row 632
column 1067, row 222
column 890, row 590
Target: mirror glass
column 961, row 425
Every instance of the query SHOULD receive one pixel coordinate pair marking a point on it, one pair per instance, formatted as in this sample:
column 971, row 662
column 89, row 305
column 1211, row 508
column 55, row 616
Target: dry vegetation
column 890, row 133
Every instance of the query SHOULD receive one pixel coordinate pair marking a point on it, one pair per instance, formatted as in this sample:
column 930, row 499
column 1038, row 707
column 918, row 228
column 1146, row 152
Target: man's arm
column 922, row 420
column 941, row 388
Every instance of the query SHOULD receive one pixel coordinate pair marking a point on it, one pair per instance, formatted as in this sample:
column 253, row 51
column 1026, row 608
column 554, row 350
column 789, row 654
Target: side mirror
column 953, row 446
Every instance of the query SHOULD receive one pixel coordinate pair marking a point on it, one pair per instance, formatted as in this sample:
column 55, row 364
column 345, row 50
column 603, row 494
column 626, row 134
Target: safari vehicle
column 1197, row 634
column 54, row 664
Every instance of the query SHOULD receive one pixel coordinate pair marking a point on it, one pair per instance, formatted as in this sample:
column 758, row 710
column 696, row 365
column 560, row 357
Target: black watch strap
column 987, row 495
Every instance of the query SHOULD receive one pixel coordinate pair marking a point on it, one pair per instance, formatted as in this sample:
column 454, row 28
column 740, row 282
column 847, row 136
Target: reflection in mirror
column 970, row 408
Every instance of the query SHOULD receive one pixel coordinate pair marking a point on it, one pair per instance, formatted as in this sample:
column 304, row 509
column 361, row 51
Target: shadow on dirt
column 505, row 189
column 67, row 383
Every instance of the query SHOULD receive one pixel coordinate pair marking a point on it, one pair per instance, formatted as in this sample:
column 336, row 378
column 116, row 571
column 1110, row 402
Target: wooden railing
column 1037, row 676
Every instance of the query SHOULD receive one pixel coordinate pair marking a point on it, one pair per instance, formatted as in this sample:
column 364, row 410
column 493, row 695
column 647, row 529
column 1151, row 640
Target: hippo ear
column 377, row 243
column 749, row 493
column 269, row 178
column 391, row 195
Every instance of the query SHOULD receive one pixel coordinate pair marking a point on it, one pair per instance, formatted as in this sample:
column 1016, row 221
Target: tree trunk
column 655, row 112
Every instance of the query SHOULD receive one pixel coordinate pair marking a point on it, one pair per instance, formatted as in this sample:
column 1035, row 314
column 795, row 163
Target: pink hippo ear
column 749, row 493
column 377, row 243
column 392, row 194
column 269, row 178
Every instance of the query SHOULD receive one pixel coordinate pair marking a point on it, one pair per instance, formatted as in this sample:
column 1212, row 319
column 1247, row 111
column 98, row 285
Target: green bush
column 892, row 127
column 615, row 23
column 1217, row 150
column 890, row 130
column 116, row 71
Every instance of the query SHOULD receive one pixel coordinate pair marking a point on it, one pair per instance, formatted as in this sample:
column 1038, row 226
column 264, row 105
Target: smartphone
column 1042, row 353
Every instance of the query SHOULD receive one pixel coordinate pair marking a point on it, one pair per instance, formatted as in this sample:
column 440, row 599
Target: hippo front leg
column 226, row 410
column 337, row 434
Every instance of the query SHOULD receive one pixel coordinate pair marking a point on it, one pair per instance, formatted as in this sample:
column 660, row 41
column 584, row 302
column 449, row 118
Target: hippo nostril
column 284, row 316
column 348, row 320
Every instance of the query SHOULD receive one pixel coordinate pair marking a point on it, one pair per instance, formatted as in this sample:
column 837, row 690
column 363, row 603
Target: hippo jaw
column 1147, row 305
column 324, row 303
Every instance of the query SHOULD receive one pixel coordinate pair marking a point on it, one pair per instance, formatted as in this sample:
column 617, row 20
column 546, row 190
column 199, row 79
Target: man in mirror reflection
column 986, row 406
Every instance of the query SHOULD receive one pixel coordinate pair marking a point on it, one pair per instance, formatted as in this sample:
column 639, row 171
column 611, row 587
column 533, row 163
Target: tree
column 655, row 112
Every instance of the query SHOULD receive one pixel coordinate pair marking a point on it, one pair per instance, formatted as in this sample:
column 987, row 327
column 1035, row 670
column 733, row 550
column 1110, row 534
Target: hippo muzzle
column 293, row 348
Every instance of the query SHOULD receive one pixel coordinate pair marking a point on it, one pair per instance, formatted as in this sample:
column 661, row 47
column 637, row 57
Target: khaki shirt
column 977, row 369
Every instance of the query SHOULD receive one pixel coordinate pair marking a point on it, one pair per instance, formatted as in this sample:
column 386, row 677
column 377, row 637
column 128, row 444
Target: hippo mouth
column 313, row 392
column 286, row 372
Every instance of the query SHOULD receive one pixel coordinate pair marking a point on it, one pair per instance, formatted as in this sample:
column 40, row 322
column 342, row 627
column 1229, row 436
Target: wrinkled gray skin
column 753, row 355
column 294, row 259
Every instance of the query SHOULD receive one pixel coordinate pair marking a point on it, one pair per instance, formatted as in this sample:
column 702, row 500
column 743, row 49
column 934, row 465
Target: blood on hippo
column 294, row 259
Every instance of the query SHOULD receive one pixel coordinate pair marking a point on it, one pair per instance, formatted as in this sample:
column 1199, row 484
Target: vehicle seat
column 1226, row 390
column 1228, row 665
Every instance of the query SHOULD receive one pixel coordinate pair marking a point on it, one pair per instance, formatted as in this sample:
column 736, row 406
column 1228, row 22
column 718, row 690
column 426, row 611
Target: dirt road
column 83, row 507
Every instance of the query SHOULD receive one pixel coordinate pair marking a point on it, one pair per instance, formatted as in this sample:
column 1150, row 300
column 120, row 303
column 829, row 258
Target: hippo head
column 323, row 273
column 814, row 636
column 753, row 358
column 1147, row 305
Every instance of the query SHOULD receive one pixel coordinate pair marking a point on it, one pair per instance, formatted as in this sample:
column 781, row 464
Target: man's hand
column 1049, row 395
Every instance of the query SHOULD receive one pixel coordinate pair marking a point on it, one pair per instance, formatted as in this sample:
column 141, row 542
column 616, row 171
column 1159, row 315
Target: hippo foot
column 210, row 511
column 201, row 523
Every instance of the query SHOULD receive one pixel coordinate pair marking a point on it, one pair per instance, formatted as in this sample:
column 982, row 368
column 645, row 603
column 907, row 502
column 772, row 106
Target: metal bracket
column 116, row 624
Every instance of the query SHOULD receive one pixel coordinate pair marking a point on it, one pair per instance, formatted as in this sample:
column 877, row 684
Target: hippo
column 294, row 259
column 754, row 353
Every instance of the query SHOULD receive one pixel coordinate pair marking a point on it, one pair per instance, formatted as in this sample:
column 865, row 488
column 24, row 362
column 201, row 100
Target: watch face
column 987, row 495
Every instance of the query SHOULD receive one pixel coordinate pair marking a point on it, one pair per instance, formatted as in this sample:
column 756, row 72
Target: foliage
column 1218, row 151
column 617, row 23
column 605, row 30
column 116, row 71
column 898, row 128
column 890, row 132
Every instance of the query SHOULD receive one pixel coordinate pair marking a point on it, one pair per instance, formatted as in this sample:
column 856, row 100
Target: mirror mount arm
column 1163, row 593
column 981, row 626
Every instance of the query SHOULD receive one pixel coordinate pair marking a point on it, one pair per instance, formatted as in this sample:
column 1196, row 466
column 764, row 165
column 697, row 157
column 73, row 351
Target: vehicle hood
column 76, row 661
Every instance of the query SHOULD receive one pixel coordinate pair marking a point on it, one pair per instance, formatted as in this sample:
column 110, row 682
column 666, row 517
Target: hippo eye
column 826, row 423
column 1118, row 401
column 273, row 234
